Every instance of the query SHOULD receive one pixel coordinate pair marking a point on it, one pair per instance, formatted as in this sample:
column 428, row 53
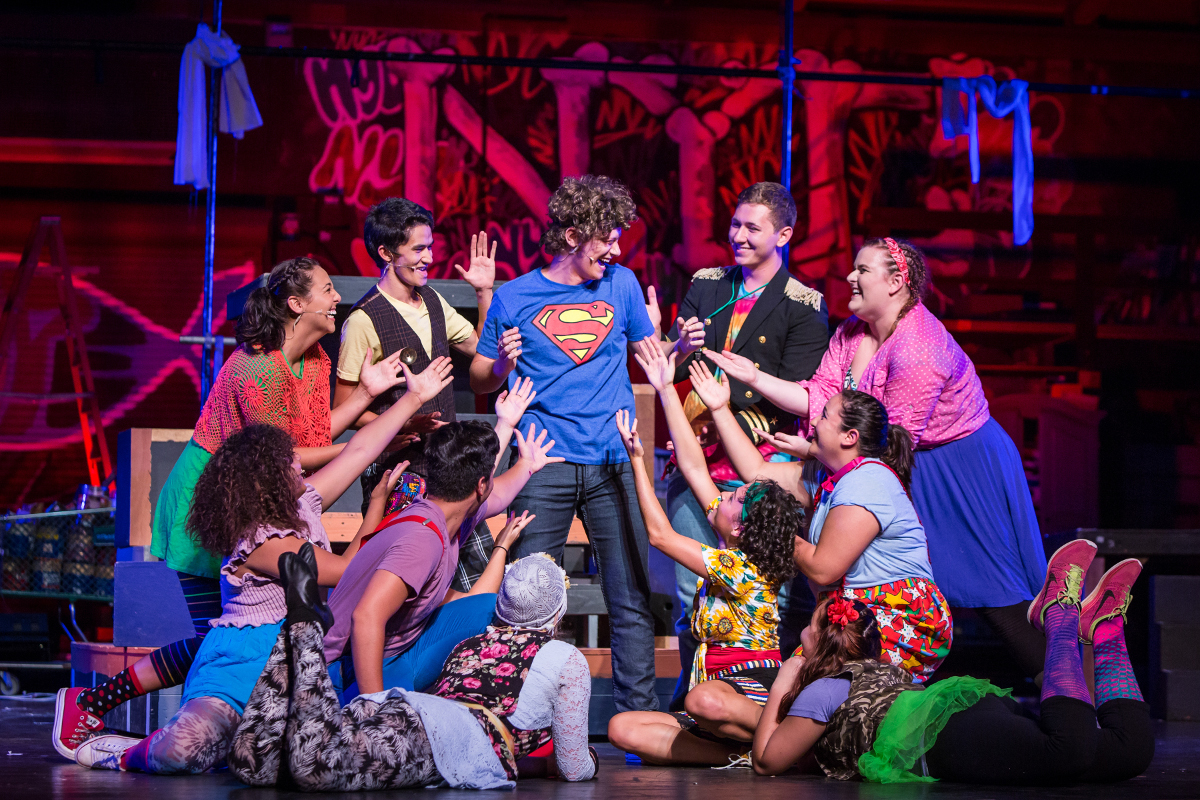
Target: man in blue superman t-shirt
column 568, row 326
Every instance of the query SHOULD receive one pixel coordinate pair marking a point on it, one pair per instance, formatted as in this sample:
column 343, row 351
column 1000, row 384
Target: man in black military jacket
column 754, row 308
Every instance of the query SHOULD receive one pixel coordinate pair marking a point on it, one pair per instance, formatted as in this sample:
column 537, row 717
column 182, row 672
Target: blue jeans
column 417, row 667
column 605, row 500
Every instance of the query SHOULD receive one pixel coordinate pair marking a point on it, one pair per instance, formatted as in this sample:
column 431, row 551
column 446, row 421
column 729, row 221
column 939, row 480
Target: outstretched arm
column 681, row 549
column 748, row 462
column 493, row 573
column 660, row 370
column 785, row 394
column 533, row 456
column 333, row 479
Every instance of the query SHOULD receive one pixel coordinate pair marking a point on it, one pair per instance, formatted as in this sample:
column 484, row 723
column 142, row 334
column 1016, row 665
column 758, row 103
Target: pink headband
column 898, row 256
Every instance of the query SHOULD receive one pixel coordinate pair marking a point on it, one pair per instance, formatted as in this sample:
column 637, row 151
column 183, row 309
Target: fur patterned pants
column 294, row 730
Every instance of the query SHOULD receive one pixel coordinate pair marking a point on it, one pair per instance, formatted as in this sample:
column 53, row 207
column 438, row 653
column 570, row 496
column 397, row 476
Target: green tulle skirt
column 912, row 726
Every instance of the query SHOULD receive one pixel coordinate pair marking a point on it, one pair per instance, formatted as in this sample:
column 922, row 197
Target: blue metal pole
column 787, row 76
column 208, row 359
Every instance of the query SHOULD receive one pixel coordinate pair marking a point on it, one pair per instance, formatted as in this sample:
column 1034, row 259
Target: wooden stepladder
column 47, row 231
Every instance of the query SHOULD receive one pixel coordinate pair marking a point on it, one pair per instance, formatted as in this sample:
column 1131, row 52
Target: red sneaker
column 1064, row 579
column 1109, row 599
column 72, row 724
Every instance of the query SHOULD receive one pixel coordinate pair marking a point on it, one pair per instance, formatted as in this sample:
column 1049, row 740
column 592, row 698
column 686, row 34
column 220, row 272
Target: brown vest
column 874, row 686
column 395, row 334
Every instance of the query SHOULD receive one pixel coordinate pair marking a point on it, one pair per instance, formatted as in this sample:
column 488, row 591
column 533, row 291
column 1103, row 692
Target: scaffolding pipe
column 209, row 363
column 606, row 66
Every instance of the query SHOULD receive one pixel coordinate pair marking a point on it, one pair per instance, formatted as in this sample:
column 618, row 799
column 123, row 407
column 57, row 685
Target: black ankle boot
column 298, row 574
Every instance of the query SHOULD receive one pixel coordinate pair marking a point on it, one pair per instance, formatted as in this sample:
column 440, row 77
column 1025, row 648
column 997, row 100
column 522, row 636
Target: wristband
column 716, row 501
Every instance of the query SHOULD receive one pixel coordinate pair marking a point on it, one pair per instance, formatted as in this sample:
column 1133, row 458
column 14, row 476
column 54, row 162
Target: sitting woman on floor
column 735, row 616
column 860, row 718
column 251, row 504
column 500, row 696
column 865, row 539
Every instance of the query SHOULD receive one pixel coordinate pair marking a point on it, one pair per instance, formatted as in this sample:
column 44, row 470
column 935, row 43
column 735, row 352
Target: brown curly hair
column 594, row 205
column 918, row 272
column 770, row 524
column 247, row 483
column 859, row 640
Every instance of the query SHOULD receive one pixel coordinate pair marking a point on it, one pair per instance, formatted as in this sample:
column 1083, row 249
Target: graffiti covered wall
column 484, row 148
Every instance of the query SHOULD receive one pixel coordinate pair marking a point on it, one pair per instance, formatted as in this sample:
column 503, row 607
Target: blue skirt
column 984, row 542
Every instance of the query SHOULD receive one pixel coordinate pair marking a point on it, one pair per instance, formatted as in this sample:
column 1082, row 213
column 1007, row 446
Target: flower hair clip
column 842, row 612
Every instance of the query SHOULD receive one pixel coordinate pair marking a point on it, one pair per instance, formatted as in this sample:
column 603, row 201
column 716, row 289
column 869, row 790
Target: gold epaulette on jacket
column 795, row 290
column 710, row 274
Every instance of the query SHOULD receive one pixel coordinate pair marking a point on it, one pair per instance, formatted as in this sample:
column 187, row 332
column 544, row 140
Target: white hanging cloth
column 238, row 111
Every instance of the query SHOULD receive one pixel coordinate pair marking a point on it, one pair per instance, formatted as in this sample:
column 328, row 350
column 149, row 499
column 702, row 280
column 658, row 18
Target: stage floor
column 29, row 767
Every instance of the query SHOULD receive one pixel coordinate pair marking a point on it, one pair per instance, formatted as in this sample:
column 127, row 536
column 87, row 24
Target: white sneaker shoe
column 104, row 752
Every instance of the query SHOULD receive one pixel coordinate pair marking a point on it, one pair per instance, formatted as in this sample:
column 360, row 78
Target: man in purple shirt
column 389, row 627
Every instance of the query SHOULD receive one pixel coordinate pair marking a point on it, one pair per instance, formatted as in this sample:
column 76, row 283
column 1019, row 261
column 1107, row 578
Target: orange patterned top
column 260, row 388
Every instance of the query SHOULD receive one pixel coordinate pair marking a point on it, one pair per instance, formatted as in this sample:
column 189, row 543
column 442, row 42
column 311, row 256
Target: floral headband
column 842, row 612
column 898, row 256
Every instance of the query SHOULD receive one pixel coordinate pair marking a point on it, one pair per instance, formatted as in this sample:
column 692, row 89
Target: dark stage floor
column 29, row 767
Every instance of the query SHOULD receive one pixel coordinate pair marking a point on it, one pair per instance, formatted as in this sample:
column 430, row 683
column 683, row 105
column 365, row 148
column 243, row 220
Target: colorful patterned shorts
column 914, row 621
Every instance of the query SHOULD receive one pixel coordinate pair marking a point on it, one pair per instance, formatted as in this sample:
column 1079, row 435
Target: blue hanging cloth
column 1012, row 97
column 238, row 112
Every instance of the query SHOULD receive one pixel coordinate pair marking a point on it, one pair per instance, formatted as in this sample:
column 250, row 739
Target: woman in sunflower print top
column 735, row 616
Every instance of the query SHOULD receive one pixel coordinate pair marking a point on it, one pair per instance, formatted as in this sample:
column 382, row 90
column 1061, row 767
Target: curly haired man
column 569, row 326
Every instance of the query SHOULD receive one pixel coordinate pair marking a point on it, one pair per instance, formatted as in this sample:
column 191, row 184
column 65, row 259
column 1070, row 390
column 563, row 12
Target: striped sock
column 1114, row 673
column 102, row 699
column 1063, row 676
column 171, row 663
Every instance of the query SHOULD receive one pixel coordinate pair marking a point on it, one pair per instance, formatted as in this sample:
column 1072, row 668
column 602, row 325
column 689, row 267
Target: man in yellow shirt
column 402, row 312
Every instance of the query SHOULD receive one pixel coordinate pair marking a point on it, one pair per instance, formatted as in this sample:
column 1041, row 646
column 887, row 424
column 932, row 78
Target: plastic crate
column 63, row 554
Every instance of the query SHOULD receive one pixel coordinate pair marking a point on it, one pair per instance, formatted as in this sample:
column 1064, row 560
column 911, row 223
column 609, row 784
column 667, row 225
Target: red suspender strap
column 395, row 519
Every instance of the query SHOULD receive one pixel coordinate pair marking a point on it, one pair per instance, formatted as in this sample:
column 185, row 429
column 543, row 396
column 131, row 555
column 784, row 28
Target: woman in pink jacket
column 968, row 484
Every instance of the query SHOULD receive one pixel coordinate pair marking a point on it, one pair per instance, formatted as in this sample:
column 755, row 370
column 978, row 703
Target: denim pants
column 605, row 500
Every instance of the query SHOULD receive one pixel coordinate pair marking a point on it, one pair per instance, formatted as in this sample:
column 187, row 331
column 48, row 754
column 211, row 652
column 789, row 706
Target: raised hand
column 691, row 336
column 534, row 450
column 652, row 309
column 378, row 378
column 511, row 406
column 712, row 392
column 482, row 272
column 787, row 443
column 629, row 435
column 659, row 369
column 388, row 482
column 430, row 382
column 737, row 367
column 512, row 529
column 423, row 423
column 508, row 350
column 401, row 441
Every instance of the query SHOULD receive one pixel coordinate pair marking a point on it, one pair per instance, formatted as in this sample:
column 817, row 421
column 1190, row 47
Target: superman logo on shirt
column 577, row 328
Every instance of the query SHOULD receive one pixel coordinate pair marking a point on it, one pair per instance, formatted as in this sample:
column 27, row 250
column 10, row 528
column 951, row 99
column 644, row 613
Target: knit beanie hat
column 533, row 593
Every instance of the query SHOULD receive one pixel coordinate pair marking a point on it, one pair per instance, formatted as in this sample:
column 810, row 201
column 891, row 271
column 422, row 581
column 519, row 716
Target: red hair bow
column 842, row 612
